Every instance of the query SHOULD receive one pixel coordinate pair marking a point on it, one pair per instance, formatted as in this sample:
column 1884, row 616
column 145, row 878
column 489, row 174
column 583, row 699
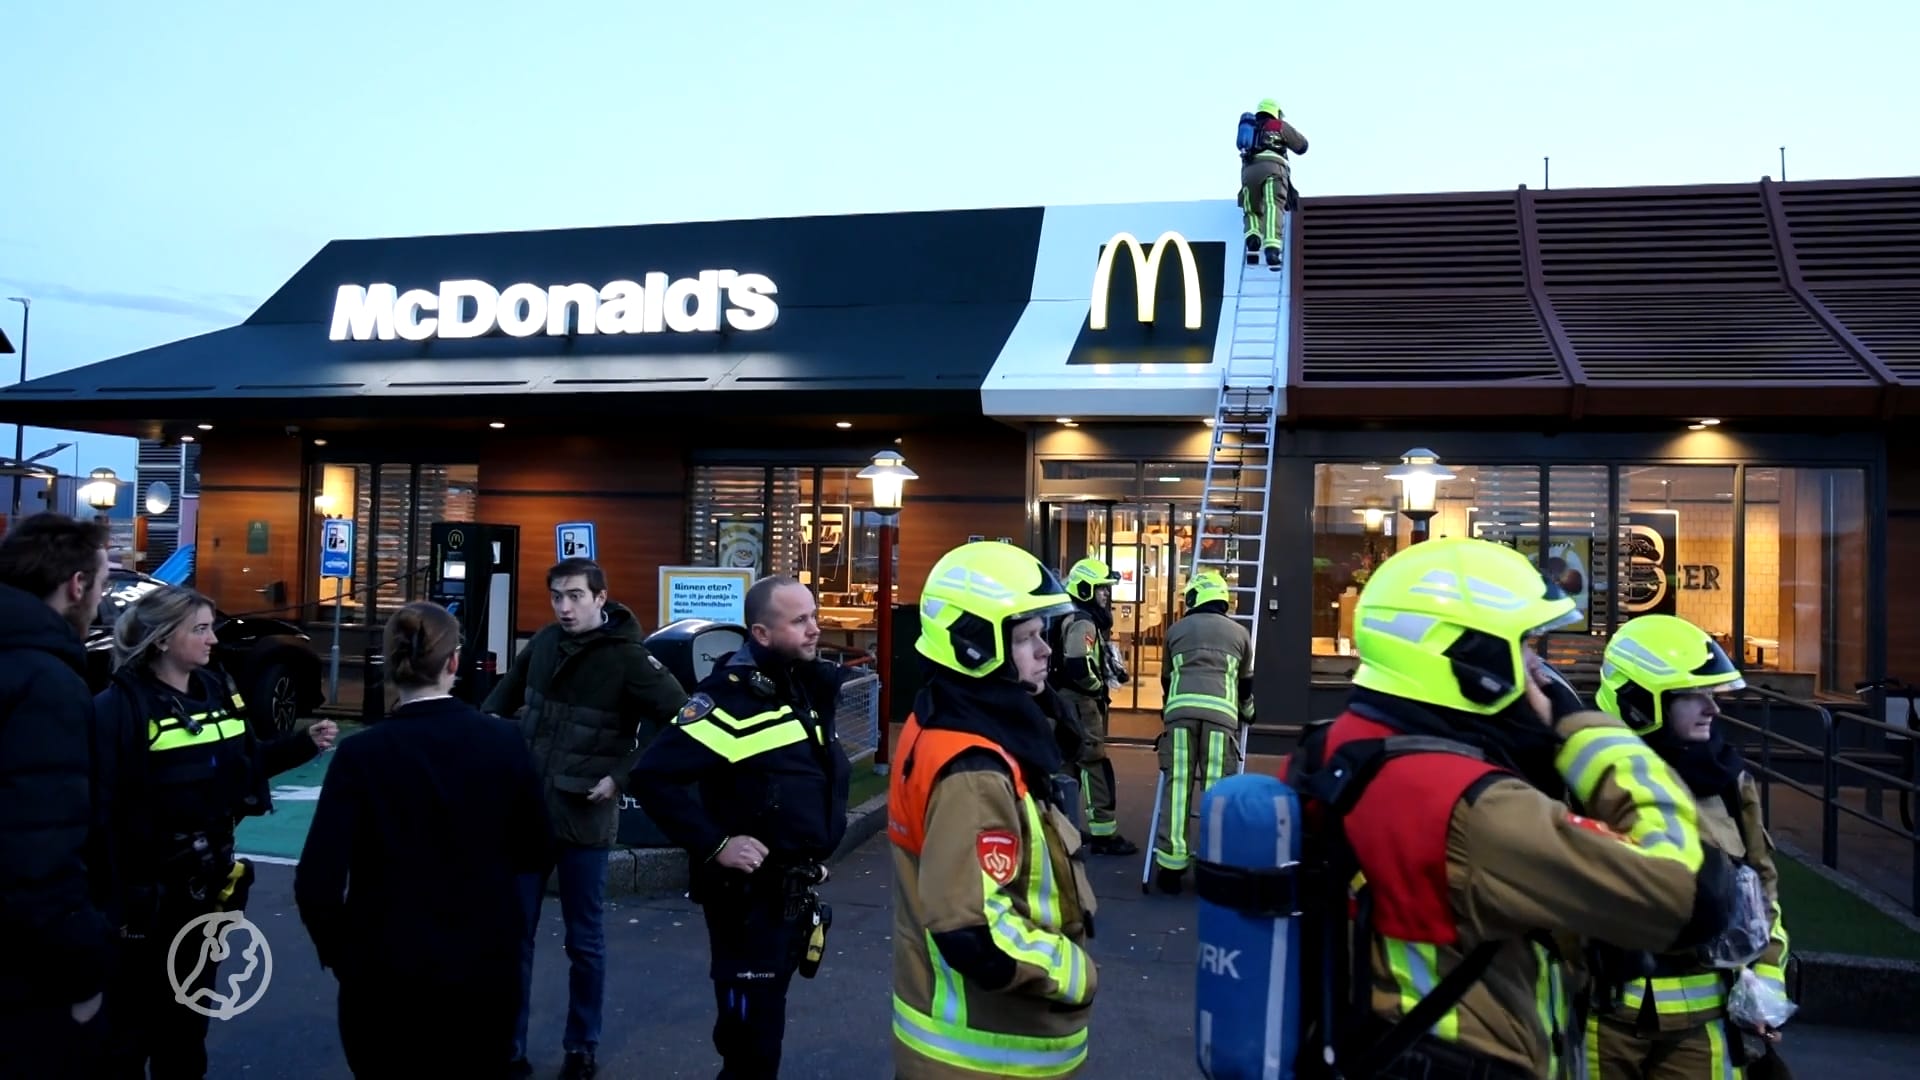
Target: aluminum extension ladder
column 1230, row 528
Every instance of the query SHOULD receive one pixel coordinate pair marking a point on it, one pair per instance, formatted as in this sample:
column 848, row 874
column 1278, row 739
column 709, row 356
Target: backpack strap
column 1426, row 1013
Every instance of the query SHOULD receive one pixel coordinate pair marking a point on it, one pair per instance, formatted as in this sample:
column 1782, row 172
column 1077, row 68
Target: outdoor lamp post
column 20, row 430
column 889, row 474
column 1419, row 477
column 101, row 491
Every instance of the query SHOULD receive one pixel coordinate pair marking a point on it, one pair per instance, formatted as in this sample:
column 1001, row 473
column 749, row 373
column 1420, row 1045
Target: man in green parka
column 588, row 697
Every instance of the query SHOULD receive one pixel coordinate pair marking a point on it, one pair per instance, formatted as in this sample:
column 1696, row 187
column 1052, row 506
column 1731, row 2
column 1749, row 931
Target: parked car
column 274, row 662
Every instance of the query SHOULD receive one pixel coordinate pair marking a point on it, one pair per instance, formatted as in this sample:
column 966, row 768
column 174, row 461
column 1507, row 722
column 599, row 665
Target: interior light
column 186, row 438
column 1708, row 421
column 206, row 427
column 1696, row 427
column 497, row 425
column 843, row 424
column 319, row 442
column 1063, row 419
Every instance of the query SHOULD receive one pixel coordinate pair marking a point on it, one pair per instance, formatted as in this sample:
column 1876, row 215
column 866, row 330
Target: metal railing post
column 1766, row 765
column 1829, row 797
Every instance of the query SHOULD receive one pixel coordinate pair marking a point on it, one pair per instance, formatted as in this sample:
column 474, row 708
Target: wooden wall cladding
column 1903, row 559
column 973, row 482
column 634, row 496
column 244, row 482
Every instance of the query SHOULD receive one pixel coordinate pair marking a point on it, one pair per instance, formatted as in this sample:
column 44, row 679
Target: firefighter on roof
column 1266, row 177
column 992, row 908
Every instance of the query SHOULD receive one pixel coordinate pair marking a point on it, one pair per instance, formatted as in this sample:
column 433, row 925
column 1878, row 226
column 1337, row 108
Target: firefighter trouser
column 1096, row 770
column 1194, row 755
column 1707, row 1052
column 1265, row 191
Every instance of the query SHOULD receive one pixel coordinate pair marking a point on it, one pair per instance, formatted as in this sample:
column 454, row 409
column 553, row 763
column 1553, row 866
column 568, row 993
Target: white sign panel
column 717, row 593
column 470, row 308
column 574, row 540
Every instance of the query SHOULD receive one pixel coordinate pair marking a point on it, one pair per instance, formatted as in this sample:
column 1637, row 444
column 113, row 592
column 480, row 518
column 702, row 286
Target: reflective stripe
column 1678, row 995
column 1179, row 808
column 1721, row 1066
column 1592, row 1064
column 1063, row 961
column 949, row 994
column 983, row 1052
column 1216, row 758
column 738, row 739
column 1181, row 699
column 1416, row 972
column 1663, row 826
column 1550, row 1005
column 173, row 733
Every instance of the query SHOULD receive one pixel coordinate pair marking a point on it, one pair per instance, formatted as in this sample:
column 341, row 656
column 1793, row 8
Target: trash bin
column 691, row 648
column 373, row 685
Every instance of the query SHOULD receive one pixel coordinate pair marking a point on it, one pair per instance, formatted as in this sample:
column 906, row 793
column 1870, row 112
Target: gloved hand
column 1559, row 698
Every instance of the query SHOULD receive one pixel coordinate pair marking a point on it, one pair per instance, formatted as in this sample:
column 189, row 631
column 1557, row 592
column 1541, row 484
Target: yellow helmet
column 1656, row 655
column 1087, row 573
column 1444, row 622
column 1206, row 587
column 974, row 595
column 1270, row 107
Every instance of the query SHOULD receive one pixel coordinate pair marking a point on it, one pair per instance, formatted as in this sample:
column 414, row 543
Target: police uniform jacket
column 757, row 741
column 177, row 765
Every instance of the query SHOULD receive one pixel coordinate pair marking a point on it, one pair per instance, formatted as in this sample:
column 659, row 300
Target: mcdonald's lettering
column 1146, row 273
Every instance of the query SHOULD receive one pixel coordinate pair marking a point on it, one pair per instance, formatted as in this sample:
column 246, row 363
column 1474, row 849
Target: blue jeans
column 583, row 890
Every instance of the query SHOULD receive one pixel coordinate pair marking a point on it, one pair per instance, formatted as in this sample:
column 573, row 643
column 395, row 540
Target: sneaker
column 1168, row 881
column 579, row 1066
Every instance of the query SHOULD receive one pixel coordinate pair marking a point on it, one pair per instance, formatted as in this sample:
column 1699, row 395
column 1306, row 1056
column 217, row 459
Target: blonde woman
column 181, row 769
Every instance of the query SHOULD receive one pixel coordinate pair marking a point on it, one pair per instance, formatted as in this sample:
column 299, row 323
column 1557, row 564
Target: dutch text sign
column 716, row 593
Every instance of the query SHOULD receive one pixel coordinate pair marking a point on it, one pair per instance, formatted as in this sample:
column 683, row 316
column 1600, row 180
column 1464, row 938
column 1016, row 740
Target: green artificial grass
column 1823, row 917
column 865, row 784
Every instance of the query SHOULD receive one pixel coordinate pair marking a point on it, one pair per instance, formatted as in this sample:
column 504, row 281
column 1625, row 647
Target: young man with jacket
column 588, row 697
column 53, row 570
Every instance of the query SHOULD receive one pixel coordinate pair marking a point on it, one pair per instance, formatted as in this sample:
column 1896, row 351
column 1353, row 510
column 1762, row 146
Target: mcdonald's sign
column 1146, row 278
column 1153, row 333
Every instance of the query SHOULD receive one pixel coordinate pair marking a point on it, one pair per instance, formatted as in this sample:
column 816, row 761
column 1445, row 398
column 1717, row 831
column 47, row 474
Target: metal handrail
column 1832, row 760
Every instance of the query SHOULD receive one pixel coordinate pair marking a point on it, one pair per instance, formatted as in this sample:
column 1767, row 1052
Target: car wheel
column 276, row 703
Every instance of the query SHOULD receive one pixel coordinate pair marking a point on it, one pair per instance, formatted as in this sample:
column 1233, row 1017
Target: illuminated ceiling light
column 1063, row 419
column 497, row 425
column 1068, row 423
column 843, row 424
column 1707, row 421
column 205, row 427
column 186, row 438
column 1208, row 421
column 1696, row 427
column 319, row 442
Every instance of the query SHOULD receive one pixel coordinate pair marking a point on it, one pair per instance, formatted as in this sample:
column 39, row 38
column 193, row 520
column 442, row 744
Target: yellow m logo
column 1146, row 275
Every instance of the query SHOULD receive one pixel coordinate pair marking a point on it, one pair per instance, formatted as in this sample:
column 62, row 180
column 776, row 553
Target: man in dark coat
column 53, row 570
column 588, row 697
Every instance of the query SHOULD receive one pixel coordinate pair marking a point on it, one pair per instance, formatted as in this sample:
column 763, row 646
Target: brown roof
column 1727, row 300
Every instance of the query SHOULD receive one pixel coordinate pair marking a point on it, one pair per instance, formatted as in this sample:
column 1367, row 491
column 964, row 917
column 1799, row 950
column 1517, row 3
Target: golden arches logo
column 1146, row 275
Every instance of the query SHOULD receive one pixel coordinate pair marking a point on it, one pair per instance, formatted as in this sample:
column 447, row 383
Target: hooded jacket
column 992, row 908
column 588, row 704
column 59, row 946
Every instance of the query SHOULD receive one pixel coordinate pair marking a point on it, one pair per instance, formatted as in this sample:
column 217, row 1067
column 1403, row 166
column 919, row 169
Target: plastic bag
column 1756, row 1003
column 1750, row 929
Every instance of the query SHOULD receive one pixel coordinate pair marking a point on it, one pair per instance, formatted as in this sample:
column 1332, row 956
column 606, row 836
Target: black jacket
column 758, row 740
column 58, row 946
column 424, row 824
column 147, row 804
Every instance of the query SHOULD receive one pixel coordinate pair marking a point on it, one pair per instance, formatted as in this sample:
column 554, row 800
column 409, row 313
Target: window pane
column 393, row 549
column 342, row 491
column 1676, row 546
column 1806, row 549
column 726, row 518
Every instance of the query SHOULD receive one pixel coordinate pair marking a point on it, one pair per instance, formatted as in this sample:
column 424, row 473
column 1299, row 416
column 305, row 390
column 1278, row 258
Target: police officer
column 1208, row 681
column 758, row 740
column 993, row 908
column 1660, row 676
column 1080, row 671
column 1471, row 858
column 182, row 770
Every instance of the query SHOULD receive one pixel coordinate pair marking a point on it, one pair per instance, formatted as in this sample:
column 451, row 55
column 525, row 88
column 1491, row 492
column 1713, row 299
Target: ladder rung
column 1229, row 562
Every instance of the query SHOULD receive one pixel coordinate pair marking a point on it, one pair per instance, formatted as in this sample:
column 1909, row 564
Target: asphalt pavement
column 659, row 1008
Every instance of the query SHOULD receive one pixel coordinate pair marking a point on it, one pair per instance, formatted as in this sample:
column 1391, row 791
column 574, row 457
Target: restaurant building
column 1687, row 399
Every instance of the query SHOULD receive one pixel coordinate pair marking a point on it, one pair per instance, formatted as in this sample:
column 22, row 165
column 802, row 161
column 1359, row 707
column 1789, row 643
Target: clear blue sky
column 164, row 167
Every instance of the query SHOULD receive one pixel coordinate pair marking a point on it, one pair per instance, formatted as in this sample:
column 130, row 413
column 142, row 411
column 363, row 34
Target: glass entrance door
column 1150, row 548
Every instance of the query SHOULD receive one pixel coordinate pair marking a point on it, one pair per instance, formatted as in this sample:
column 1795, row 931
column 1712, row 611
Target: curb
column 1846, row 991
column 647, row 873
